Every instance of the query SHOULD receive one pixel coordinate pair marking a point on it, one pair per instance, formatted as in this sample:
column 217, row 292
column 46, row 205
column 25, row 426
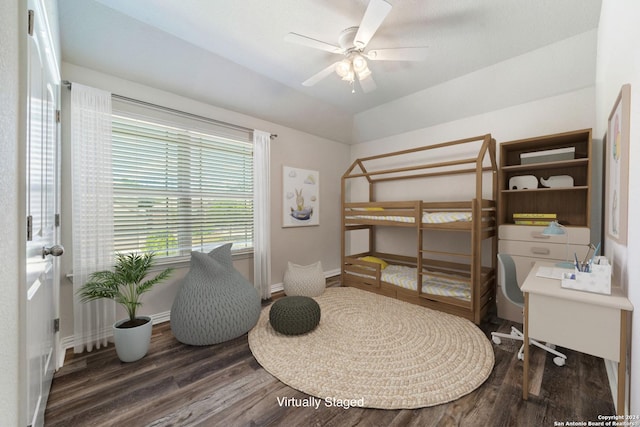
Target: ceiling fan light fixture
column 349, row 77
column 359, row 63
column 343, row 68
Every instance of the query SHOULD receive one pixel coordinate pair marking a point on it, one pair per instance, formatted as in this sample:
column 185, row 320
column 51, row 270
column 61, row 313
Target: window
column 179, row 188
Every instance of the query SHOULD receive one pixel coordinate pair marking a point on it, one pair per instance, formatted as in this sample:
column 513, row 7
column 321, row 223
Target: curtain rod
column 68, row 84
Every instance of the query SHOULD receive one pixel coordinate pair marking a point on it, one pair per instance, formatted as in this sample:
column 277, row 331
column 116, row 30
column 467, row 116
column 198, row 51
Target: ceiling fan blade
column 319, row 76
column 398, row 54
column 367, row 84
column 309, row 42
column 373, row 17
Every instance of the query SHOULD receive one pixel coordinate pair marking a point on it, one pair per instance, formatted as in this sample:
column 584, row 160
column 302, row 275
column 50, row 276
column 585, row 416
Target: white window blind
column 178, row 189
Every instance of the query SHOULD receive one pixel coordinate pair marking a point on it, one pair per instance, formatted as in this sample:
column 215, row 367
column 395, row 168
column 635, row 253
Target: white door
column 43, row 156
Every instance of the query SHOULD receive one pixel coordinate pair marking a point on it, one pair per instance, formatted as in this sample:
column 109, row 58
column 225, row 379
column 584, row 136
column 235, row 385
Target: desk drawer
column 542, row 250
column 533, row 233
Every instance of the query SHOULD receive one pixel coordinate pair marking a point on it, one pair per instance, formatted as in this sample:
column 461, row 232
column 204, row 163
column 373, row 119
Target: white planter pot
column 132, row 343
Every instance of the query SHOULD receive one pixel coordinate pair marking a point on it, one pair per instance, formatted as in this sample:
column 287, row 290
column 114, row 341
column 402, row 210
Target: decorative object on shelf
column 523, row 182
column 125, row 284
column 557, row 229
column 305, row 280
column 557, row 181
column 300, row 193
column 544, row 156
column 617, row 186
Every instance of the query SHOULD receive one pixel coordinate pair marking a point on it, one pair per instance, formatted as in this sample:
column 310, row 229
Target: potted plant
column 125, row 285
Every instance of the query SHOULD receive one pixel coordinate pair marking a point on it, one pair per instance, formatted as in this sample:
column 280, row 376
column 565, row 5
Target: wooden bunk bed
column 453, row 282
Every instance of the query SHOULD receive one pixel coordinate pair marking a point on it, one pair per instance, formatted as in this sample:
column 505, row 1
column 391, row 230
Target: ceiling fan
column 352, row 43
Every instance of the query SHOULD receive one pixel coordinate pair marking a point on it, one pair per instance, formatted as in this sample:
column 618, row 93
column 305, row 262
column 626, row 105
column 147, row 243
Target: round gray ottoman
column 294, row 315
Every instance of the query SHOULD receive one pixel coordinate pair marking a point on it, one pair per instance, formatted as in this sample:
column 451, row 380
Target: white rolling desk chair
column 511, row 290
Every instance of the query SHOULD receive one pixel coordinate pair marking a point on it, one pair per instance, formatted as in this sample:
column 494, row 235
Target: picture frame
column 300, row 197
column 617, row 167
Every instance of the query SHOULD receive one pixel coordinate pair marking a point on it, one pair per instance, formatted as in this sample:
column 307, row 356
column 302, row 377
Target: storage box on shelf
column 569, row 203
column 553, row 155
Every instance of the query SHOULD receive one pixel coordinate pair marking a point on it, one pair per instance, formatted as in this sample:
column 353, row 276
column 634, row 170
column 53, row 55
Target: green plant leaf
column 125, row 284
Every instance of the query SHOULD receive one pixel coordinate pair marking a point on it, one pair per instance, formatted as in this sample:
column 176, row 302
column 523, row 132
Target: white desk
column 590, row 323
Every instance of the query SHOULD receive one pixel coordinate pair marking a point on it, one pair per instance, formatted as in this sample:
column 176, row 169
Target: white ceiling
column 232, row 53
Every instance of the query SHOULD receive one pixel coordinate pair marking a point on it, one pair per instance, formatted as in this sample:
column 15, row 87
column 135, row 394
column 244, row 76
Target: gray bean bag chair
column 215, row 302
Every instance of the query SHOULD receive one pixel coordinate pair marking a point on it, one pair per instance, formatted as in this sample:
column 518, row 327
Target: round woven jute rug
column 377, row 352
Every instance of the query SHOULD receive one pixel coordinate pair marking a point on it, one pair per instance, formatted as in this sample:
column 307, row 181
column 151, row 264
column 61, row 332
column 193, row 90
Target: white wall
column 301, row 245
column 562, row 67
column 618, row 62
column 13, row 264
column 570, row 111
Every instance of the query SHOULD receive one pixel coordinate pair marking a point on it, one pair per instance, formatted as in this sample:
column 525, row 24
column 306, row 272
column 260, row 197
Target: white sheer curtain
column 92, row 200
column 261, row 214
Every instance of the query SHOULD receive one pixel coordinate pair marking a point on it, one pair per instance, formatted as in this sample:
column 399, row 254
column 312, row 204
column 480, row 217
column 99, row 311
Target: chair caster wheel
column 496, row 340
column 559, row 361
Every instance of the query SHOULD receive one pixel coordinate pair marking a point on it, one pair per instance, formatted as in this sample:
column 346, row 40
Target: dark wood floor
column 223, row 385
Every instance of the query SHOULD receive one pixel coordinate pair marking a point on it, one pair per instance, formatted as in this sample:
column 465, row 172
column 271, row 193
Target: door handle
column 55, row 250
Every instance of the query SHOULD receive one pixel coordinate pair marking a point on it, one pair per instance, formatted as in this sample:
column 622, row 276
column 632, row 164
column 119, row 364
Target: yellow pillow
column 383, row 263
column 374, row 209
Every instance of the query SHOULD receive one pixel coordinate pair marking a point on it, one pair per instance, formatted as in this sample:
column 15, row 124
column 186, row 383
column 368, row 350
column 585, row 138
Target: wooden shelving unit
column 525, row 243
column 571, row 204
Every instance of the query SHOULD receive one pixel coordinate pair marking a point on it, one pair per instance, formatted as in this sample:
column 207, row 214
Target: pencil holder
column 597, row 280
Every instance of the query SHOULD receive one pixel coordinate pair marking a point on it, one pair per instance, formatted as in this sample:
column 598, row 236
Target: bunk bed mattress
column 449, row 285
column 427, row 217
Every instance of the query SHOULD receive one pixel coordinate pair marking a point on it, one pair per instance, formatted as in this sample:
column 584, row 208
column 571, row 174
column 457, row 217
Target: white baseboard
column 332, row 273
column 157, row 318
column 277, row 287
column 67, row 342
